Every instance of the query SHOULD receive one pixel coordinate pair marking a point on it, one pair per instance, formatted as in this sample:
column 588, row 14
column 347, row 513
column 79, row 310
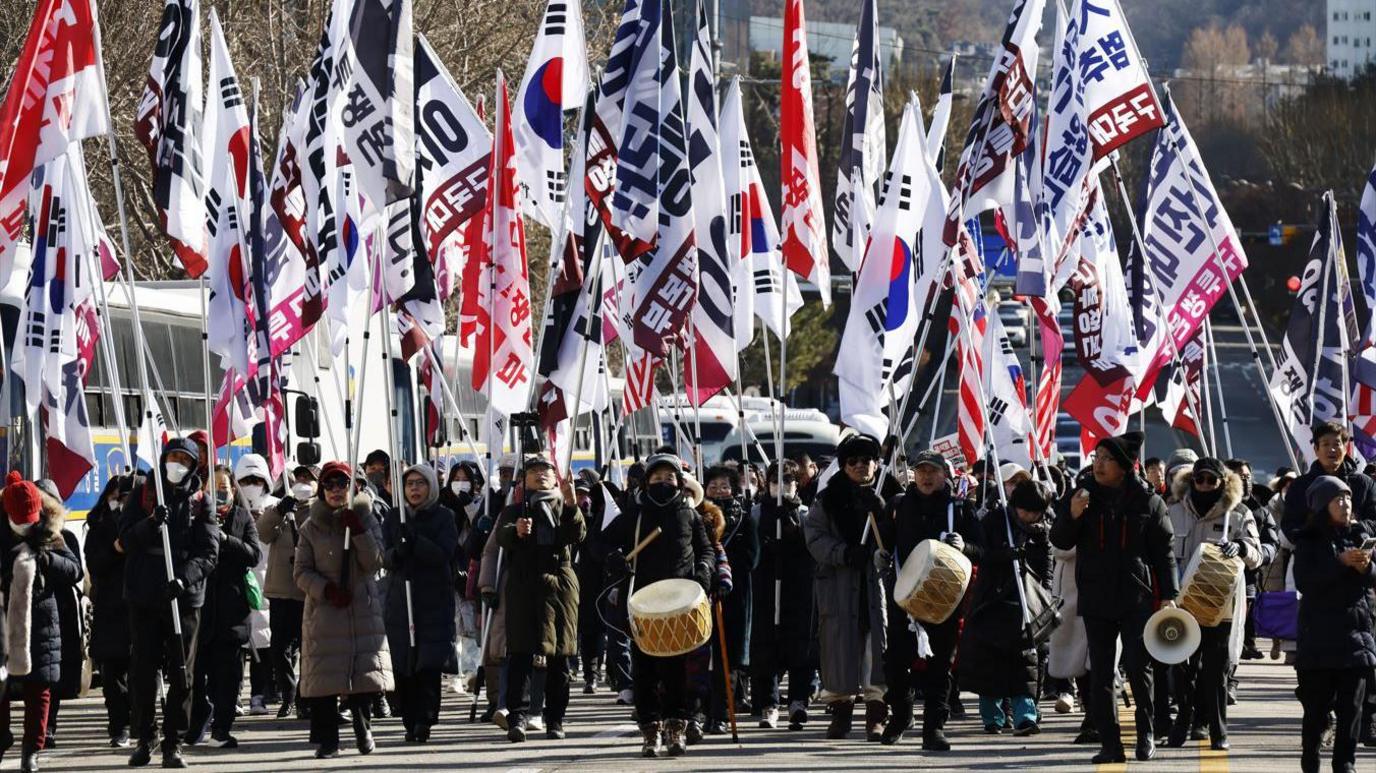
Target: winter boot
column 876, row 717
column 673, row 742
column 842, row 712
column 649, row 732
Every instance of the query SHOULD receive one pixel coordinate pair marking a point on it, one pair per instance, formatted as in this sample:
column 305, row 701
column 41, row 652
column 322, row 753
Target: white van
column 806, row 431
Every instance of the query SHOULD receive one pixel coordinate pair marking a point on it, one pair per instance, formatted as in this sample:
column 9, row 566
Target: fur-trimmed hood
column 1230, row 501
column 52, row 519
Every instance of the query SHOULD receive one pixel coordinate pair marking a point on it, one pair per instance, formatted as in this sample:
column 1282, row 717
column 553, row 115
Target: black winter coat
column 109, row 612
column 1336, row 618
column 1296, row 512
column 995, row 657
column 741, row 539
column 192, row 531
column 915, row 517
column 59, row 572
column 1124, row 546
column 682, row 551
column 434, row 541
column 224, row 616
column 73, row 628
column 783, row 555
column 590, row 562
column 540, row 603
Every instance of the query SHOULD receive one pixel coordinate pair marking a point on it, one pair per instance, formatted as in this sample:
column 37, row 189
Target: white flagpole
column 312, row 353
column 783, row 386
column 1218, row 384
column 593, row 305
column 940, row 381
column 1206, row 422
column 126, row 270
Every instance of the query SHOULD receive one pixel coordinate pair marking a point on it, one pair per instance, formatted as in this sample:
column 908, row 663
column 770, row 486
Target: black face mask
column 662, row 494
column 1204, row 501
column 378, row 479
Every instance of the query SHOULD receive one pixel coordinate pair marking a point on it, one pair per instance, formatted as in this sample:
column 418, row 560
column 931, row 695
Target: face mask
column 176, row 471
column 114, row 505
column 460, row 486
column 302, row 491
column 661, row 494
column 253, row 493
column 378, row 479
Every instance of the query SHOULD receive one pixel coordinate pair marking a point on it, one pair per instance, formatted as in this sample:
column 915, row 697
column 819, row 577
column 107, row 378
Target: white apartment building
column 1351, row 37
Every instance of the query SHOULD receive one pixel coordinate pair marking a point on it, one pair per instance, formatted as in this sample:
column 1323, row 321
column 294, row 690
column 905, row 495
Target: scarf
column 841, row 499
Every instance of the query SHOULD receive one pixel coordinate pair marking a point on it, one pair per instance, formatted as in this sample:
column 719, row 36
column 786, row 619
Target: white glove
column 953, row 539
column 881, row 560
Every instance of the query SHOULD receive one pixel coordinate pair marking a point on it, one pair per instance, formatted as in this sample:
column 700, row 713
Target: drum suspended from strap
column 670, row 617
column 932, row 581
column 1209, row 583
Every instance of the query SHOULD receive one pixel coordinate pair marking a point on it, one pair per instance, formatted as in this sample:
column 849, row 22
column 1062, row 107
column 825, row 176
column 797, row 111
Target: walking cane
column 726, row 673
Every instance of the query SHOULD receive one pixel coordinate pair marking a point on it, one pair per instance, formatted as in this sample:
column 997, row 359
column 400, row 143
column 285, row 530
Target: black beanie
column 1210, row 465
column 1124, row 449
column 1031, row 496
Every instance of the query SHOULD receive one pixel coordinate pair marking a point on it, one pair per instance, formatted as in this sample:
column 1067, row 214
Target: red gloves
column 351, row 521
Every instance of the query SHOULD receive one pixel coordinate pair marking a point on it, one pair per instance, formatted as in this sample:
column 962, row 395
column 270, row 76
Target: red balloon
column 1293, row 284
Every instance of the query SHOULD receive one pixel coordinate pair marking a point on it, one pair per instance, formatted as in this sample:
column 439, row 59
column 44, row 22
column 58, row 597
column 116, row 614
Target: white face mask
column 302, row 491
column 176, row 471
column 253, row 493
column 460, row 486
column 115, row 505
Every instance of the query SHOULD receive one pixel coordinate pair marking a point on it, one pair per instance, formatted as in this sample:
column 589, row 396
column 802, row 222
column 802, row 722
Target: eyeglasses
column 335, row 484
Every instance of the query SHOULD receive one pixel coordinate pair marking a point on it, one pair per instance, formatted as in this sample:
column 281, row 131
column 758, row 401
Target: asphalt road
column 1264, row 734
column 1251, row 431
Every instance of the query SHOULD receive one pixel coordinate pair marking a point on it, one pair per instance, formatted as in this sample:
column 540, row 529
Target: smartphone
column 1369, row 544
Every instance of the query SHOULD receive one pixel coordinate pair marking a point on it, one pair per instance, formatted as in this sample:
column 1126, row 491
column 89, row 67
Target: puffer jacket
column 55, row 571
column 1125, row 556
column 1335, row 618
column 1193, row 530
column 433, row 539
column 225, row 614
column 343, row 650
column 279, row 530
column 682, row 550
column 192, row 532
column 541, row 604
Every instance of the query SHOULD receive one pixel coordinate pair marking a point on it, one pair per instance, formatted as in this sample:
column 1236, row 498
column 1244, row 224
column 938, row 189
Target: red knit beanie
column 21, row 501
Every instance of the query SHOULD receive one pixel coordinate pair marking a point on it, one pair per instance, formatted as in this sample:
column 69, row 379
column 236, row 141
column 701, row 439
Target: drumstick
column 874, row 527
column 726, row 673
column 644, row 543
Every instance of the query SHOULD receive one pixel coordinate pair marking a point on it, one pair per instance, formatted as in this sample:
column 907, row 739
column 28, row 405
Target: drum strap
column 635, row 562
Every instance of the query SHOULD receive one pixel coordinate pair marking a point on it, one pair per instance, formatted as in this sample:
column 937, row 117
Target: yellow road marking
column 1211, row 761
column 1127, row 719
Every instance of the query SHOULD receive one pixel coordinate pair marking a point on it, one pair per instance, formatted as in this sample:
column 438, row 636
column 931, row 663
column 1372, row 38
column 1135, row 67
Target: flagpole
column 696, row 399
column 783, row 384
column 925, row 327
column 312, row 353
column 1218, row 384
column 940, row 380
column 1232, row 294
column 448, row 393
column 682, row 436
column 593, row 296
column 1207, row 420
column 107, row 332
column 126, row 271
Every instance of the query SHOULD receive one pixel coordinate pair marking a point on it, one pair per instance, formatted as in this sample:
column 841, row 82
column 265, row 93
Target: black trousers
column 769, row 663
column 660, row 686
column 419, row 696
column 1341, row 691
column 219, row 674
column 153, row 643
column 1103, row 635
column 260, row 681
column 1202, row 682
column 114, row 687
column 285, row 623
column 935, row 679
column 521, row 674
column 325, row 715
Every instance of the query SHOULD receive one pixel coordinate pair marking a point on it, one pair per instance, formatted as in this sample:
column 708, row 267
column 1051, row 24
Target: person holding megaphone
column 1208, row 509
column 1125, row 563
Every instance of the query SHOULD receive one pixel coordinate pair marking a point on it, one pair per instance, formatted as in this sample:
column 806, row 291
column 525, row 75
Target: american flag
column 1048, row 402
column 969, row 310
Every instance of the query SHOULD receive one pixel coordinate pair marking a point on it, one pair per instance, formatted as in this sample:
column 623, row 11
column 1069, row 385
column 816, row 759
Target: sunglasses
column 1206, row 479
column 859, row 460
column 335, row 484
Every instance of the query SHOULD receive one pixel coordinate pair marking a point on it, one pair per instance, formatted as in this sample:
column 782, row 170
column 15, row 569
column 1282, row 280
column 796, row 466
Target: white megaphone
column 1171, row 635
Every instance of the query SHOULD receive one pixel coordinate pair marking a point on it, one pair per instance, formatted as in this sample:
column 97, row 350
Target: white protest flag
column 1002, row 122
column 711, row 363
column 168, row 123
column 883, row 314
column 1005, row 397
column 556, row 80
column 753, row 235
column 225, row 144
column 941, row 116
column 863, row 143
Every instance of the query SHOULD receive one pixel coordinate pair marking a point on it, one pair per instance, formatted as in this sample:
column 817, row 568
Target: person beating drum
column 682, row 551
